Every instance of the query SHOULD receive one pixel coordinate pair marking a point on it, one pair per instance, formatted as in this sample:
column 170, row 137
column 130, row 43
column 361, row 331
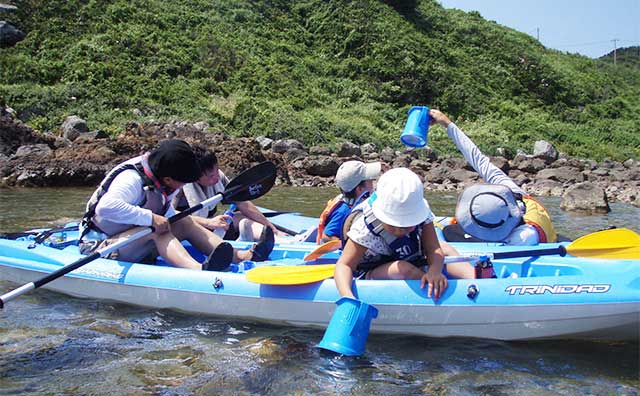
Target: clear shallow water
column 55, row 344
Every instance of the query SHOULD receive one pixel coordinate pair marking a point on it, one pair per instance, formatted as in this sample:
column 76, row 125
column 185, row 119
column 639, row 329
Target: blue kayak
column 535, row 297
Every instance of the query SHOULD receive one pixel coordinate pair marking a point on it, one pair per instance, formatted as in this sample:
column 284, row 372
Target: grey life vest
column 155, row 199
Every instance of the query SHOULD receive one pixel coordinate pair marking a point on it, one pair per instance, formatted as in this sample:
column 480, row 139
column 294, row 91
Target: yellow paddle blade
column 290, row 274
column 618, row 243
column 323, row 249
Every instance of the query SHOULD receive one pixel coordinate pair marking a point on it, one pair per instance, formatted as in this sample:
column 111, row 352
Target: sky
column 587, row 27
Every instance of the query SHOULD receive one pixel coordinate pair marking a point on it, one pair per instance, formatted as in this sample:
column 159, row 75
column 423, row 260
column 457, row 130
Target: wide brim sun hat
column 400, row 199
column 488, row 212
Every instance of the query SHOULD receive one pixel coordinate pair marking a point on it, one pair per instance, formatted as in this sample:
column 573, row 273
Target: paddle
column 619, row 243
column 39, row 236
column 250, row 184
column 274, row 214
column 323, row 249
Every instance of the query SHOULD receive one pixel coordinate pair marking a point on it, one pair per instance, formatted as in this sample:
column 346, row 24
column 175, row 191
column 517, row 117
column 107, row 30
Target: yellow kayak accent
column 290, row 274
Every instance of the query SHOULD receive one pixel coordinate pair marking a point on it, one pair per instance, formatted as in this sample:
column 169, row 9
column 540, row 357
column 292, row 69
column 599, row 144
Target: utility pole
column 538, row 34
column 615, row 49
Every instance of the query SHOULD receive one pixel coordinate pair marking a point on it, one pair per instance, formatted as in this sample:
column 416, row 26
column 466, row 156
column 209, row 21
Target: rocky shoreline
column 80, row 157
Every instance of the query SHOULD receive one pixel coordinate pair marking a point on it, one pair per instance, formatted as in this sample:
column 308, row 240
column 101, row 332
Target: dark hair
column 174, row 158
column 352, row 194
column 206, row 158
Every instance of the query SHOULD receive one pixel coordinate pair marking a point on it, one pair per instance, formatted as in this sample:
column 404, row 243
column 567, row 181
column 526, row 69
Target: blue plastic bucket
column 416, row 128
column 348, row 329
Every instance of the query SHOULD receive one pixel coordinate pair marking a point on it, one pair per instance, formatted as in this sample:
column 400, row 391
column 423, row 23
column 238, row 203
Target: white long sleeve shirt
column 120, row 203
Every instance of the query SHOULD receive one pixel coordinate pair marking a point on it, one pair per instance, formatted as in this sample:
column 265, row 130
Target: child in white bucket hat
column 394, row 238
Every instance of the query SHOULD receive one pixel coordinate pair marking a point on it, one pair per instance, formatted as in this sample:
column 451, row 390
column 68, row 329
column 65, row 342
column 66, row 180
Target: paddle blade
column 250, row 184
column 618, row 243
column 323, row 249
column 290, row 274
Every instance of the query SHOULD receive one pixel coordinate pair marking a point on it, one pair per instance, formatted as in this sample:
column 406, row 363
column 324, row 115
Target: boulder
column 546, row 187
column 10, row 35
column 295, row 153
column 320, row 150
column 387, row 154
column 284, row 145
column 528, row 165
column 32, row 150
column 501, row 163
column 202, row 126
column 368, row 148
column 348, row 149
column 322, row 166
column 73, row 126
column 545, row 151
column 586, row 198
column 563, row 174
column 14, row 133
column 462, row 176
column 264, row 142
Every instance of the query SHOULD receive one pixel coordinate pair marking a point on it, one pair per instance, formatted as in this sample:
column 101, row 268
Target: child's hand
column 437, row 284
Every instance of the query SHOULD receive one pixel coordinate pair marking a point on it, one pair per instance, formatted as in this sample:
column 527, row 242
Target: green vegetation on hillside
column 319, row 71
column 624, row 57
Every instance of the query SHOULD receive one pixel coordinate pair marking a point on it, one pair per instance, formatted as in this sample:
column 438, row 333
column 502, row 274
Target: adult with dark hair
column 253, row 225
column 499, row 211
column 137, row 193
column 355, row 180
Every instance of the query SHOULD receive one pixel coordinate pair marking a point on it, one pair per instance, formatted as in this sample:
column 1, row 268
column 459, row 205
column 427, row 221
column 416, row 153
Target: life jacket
column 155, row 199
column 325, row 216
column 407, row 247
column 537, row 216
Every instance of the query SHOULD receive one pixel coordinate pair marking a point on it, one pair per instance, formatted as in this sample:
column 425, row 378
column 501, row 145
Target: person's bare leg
column 249, row 230
column 202, row 239
column 173, row 252
column 257, row 230
column 399, row 269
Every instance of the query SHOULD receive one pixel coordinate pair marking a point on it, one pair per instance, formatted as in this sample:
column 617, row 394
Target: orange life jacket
column 332, row 205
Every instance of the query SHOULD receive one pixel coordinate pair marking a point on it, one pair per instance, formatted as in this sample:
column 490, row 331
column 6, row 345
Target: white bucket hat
column 400, row 199
column 488, row 211
column 351, row 173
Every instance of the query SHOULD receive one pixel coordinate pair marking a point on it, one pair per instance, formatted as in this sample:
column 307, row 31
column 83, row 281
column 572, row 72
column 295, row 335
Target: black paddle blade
column 250, row 184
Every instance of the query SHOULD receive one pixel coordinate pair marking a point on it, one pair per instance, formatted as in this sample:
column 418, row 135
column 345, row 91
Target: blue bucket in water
column 416, row 128
column 349, row 327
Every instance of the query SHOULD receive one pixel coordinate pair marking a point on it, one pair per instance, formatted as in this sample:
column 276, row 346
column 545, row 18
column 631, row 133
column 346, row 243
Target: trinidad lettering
column 556, row 289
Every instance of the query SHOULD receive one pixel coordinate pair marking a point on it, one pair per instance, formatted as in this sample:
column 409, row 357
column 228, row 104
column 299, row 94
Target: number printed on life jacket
column 404, row 251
